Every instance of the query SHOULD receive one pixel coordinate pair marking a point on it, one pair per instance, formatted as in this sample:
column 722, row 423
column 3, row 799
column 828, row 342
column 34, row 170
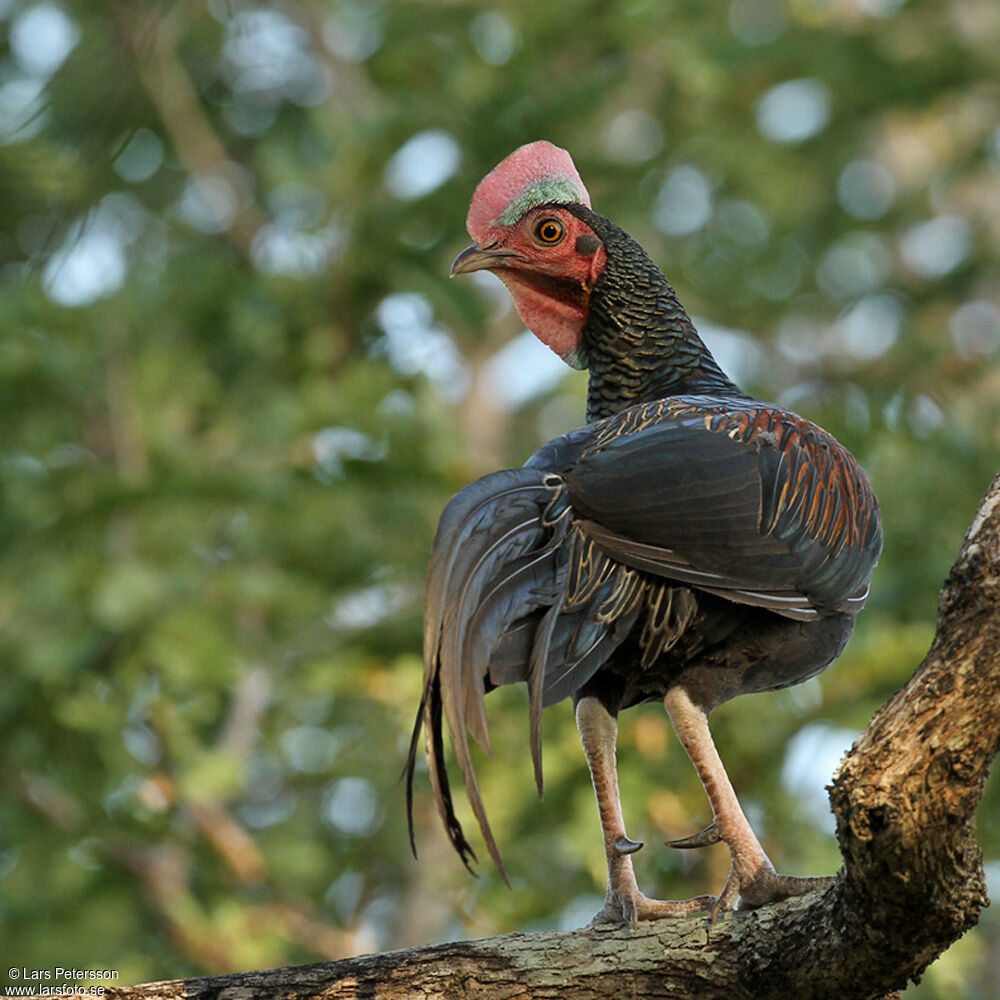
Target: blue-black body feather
column 688, row 535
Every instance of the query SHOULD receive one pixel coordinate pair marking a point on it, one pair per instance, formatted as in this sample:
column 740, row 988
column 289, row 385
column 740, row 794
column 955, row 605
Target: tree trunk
column 911, row 884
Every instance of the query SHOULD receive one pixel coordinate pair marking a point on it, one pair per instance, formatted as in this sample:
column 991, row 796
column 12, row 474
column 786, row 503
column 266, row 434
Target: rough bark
column 911, row 884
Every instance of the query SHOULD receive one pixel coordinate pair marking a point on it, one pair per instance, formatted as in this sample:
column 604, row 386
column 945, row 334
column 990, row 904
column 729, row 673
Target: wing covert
column 748, row 501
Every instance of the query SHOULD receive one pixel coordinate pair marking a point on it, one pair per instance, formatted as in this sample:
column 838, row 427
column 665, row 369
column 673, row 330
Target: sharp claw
column 727, row 898
column 703, row 838
column 623, row 845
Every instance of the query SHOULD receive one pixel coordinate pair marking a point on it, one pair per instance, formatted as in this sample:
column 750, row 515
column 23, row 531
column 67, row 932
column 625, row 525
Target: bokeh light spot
column 41, row 38
column 89, row 265
column 813, row 754
column 870, row 328
column 209, row 203
column 350, row 806
column 936, row 247
column 414, row 343
column 742, row 222
column 632, row 136
column 865, row 189
column 141, row 157
column 684, row 203
column 794, row 111
column 975, row 328
column 856, row 264
column 423, row 164
column 521, row 370
column 494, row 37
column 22, row 113
column 354, row 31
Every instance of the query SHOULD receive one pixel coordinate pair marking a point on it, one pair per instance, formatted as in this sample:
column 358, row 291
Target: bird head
column 525, row 233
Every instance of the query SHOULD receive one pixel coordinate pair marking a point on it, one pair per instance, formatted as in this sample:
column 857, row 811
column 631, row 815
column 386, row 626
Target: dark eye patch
column 587, row 244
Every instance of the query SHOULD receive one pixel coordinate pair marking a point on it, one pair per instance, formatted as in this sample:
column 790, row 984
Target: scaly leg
column 623, row 901
column 752, row 880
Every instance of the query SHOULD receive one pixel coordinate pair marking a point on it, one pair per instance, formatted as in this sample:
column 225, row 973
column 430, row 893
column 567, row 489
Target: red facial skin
column 550, row 282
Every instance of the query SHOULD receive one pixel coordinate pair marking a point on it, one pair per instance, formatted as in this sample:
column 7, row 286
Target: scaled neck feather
column 640, row 343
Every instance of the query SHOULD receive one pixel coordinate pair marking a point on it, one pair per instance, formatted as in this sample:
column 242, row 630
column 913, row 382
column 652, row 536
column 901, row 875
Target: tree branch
column 152, row 39
column 911, row 884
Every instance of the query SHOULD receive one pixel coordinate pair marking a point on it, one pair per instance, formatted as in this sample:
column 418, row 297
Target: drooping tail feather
column 429, row 714
column 410, row 769
column 484, row 534
column 536, row 681
column 498, row 611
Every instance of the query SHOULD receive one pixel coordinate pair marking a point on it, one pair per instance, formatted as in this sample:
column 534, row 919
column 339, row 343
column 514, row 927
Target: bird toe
column 771, row 887
column 626, row 909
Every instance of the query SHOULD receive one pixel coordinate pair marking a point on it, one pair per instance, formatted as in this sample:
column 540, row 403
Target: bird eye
column 549, row 231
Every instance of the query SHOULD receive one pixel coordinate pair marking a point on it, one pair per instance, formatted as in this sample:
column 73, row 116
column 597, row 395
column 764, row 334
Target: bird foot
column 628, row 906
column 752, row 880
column 765, row 886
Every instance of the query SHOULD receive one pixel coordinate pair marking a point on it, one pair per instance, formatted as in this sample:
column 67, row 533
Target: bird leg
column 752, row 880
column 623, row 903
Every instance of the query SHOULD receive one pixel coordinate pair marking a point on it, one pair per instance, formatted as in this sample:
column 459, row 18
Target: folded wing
column 746, row 501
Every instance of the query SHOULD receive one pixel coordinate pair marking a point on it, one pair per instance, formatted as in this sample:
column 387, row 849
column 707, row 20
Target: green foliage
column 238, row 388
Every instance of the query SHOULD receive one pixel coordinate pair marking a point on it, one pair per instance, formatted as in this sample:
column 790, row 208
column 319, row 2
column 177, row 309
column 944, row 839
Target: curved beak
column 474, row 258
